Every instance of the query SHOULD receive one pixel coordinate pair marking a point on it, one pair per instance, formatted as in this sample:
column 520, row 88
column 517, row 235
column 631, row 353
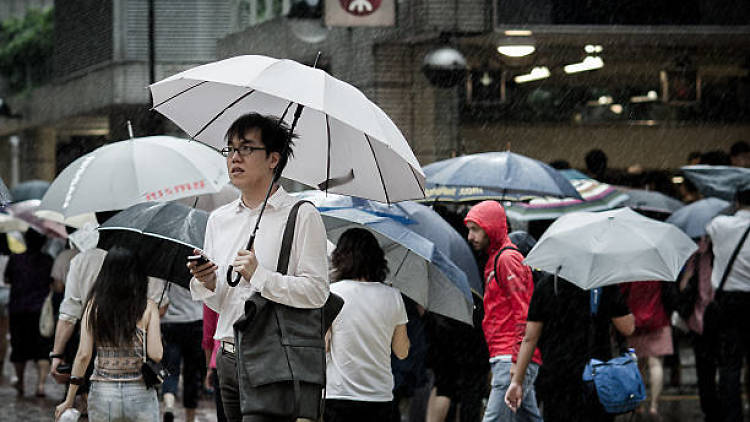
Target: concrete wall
column 658, row 147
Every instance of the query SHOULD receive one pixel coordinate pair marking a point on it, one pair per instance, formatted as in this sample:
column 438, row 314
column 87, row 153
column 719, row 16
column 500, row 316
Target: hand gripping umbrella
column 346, row 144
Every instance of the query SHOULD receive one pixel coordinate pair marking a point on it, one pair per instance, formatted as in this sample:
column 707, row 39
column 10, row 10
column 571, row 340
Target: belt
column 228, row 347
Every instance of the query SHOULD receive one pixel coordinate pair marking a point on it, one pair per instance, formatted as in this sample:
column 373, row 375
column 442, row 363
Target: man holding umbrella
column 508, row 288
column 258, row 147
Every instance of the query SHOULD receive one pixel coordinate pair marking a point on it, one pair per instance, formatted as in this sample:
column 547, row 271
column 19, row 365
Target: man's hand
column 245, row 263
column 59, row 378
column 205, row 273
column 514, row 396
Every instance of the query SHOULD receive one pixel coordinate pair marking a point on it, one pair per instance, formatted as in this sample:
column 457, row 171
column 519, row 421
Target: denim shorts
column 125, row 401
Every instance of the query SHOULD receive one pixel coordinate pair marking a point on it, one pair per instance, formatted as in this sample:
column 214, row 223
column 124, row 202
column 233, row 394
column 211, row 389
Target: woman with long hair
column 118, row 319
column 359, row 382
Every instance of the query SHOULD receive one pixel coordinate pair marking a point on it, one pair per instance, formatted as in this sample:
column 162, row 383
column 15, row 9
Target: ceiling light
column 605, row 99
column 616, row 108
column 591, row 49
column 589, row 63
column 535, row 74
column 516, row 50
column 517, row 32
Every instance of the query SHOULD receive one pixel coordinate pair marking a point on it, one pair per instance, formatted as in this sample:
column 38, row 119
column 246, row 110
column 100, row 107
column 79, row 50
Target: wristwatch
column 56, row 355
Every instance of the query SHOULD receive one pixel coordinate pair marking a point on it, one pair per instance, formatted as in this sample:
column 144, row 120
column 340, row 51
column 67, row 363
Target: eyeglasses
column 243, row 150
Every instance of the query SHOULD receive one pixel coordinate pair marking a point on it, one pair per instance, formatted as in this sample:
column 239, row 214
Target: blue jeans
column 497, row 410
column 122, row 401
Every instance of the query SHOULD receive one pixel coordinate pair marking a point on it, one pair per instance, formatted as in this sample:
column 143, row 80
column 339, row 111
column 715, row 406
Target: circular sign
column 360, row 7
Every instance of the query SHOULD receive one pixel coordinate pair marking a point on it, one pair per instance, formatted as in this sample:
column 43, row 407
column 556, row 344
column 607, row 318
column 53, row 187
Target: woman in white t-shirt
column 372, row 322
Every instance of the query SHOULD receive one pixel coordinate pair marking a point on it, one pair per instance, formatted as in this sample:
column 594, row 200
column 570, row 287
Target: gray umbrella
column 646, row 200
column 164, row 234
column 718, row 181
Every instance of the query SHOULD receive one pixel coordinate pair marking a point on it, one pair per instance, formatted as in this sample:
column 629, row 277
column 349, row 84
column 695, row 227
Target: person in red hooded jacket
column 507, row 292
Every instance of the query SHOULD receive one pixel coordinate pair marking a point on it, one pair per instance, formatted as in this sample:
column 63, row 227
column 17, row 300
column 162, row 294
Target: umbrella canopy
column 417, row 268
column 25, row 211
column 652, row 201
column 121, row 174
column 597, row 249
column 693, row 218
column 211, row 201
column 346, row 144
column 30, row 189
column 165, row 235
column 718, row 181
column 501, row 172
column 5, row 196
column 596, row 196
column 417, row 218
column 8, row 223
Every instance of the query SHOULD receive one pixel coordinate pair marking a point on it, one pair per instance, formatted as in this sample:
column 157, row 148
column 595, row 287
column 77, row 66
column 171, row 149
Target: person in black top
column 559, row 323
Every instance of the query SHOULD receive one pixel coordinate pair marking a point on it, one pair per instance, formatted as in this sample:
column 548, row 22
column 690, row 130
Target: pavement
column 678, row 404
column 30, row 408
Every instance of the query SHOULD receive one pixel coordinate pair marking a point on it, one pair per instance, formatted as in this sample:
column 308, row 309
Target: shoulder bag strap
column 283, row 267
column 497, row 258
column 731, row 260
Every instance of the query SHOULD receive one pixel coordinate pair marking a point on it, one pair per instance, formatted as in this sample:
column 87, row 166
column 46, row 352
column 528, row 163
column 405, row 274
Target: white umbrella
column 121, row 174
column 344, row 138
column 594, row 249
column 8, row 223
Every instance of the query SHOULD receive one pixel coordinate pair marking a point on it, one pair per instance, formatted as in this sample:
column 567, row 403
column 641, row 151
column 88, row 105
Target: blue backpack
column 617, row 382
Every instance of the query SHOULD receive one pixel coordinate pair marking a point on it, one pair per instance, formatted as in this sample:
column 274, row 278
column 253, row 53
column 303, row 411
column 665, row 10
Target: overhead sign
column 360, row 13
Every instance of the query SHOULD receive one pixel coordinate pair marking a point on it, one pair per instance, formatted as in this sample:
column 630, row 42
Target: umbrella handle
column 238, row 277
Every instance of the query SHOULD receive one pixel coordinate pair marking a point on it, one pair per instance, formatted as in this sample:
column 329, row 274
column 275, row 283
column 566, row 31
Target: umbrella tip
column 130, row 129
column 317, row 57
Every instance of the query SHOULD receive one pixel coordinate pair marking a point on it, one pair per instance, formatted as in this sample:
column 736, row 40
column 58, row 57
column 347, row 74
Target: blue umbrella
column 418, row 218
column 718, row 181
column 31, row 189
column 693, row 218
column 501, row 172
column 417, row 267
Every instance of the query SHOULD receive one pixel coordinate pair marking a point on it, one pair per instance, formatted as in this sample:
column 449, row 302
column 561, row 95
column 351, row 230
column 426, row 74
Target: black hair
column 559, row 164
column 34, row 240
column 274, row 134
column 358, row 255
column 117, row 299
column 596, row 161
column 693, row 155
column 743, row 196
column 739, row 147
column 715, row 158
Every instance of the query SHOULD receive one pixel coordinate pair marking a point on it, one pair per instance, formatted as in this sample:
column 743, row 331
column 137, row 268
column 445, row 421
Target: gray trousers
column 226, row 366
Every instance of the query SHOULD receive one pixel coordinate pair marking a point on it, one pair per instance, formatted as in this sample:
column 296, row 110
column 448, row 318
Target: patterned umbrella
column 596, row 196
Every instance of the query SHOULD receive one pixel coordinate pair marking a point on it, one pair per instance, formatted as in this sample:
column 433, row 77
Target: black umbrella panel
column 162, row 234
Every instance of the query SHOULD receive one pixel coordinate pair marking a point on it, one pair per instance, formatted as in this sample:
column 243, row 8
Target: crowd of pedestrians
column 535, row 331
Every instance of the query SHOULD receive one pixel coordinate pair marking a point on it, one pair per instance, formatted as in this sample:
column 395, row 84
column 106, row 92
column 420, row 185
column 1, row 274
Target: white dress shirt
column 725, row 232
column 84, row 269
column 228, row 231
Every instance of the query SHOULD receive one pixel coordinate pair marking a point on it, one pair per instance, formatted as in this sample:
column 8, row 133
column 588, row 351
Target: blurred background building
column 647, row 82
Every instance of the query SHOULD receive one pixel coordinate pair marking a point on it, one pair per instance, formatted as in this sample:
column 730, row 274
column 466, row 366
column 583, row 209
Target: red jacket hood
column 490, row 216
